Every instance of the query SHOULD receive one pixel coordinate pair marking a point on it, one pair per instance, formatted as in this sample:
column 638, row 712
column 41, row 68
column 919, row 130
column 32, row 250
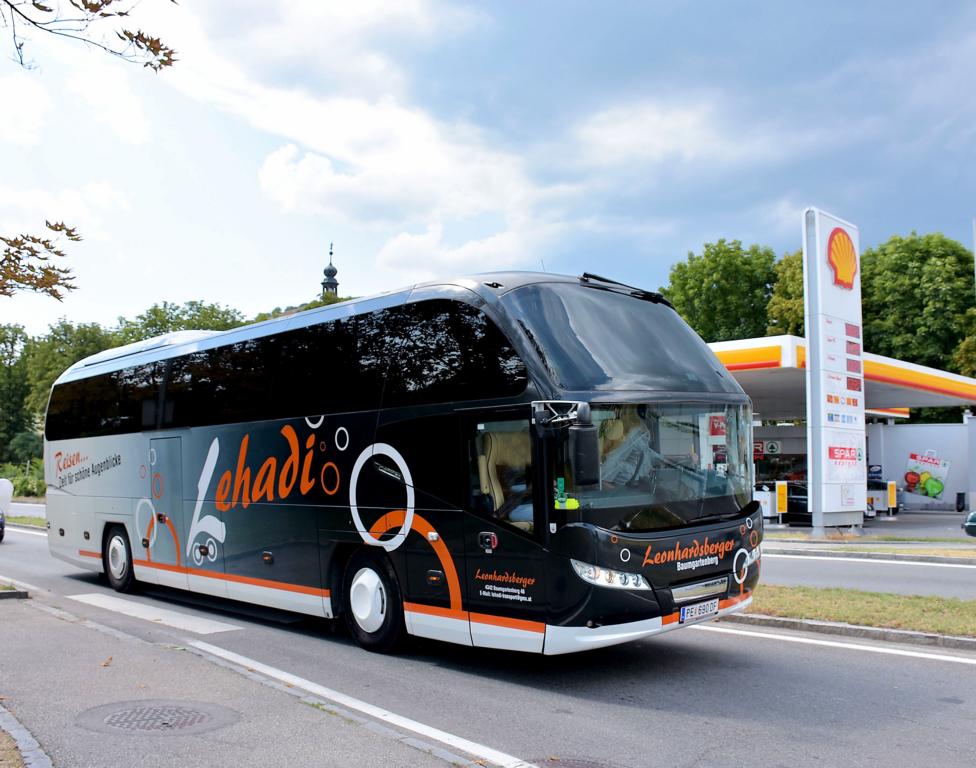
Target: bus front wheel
column 373, row 602
column 117, row 557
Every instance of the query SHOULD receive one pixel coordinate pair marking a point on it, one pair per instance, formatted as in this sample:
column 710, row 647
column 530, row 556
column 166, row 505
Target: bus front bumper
column 561, row 640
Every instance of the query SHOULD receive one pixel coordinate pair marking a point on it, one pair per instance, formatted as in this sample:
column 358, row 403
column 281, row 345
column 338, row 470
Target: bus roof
column 488, row 286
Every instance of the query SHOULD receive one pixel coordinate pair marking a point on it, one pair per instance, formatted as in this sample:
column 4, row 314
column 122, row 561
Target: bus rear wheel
column 117, row 559
column 373, row 603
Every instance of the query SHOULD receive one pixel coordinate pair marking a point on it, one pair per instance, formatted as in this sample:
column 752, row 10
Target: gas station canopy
column 772, row 371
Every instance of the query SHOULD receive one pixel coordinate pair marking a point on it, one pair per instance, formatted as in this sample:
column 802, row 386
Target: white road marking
column 868, row 560
column 837, row 644
column 173, row 619
column 11, row 529
column 480, row 751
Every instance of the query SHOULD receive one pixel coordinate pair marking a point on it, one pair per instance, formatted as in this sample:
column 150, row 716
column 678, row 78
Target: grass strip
column 941, row 615
column 6, row 588
column 934, row 551
column 28, row 520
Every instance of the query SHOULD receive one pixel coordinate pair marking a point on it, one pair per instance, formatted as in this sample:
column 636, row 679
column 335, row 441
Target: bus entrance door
column 164, row 554
column 504, row 560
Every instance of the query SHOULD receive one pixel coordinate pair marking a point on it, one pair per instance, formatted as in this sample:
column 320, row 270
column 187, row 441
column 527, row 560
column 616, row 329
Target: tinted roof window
column 446, row 352
column 593, row 339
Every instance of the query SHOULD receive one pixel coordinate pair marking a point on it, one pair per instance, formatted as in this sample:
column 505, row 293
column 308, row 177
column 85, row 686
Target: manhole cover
column 156, row 718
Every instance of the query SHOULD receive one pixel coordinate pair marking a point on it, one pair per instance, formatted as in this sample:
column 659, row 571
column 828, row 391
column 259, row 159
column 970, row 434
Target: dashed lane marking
column 156, row 615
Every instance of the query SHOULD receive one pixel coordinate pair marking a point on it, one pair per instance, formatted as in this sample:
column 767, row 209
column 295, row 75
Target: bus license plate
column 698, row 611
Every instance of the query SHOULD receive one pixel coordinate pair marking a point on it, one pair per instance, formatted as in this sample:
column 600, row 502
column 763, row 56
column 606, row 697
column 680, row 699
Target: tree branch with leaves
column 28, row 263
column 74, row 19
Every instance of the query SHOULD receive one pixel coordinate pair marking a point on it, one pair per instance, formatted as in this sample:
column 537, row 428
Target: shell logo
column 842, row 258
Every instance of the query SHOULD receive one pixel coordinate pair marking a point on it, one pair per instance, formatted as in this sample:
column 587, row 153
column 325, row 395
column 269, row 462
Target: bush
column 28, row 477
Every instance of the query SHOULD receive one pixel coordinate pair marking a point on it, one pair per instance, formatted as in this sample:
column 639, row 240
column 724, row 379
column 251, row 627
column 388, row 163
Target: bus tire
column 117, row 559
column 373, row 602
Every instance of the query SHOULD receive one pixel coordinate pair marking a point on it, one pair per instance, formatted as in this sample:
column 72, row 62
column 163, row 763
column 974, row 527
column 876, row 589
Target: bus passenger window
column 503, row 451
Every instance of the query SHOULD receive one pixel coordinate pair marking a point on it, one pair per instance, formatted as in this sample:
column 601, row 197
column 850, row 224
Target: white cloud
column 425, row 255
column 652, row 133
column 89, row 208
column 105, row 87
column 26, row 104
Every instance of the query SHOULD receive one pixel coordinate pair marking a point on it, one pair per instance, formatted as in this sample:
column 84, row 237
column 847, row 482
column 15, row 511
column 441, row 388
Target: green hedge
column 28, row 478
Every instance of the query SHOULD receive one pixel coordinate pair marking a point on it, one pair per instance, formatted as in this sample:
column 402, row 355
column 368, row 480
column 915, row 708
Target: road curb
column 870, row 555
column 30, row 751
column 854, row 630
column 27, row 527
column 13, row 594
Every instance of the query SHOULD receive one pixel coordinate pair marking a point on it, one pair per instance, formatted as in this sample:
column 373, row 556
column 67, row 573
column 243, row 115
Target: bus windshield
column 661, row 466
column 591, row 339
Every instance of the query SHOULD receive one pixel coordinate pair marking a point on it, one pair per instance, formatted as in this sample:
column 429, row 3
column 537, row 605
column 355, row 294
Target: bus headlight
column 607, row 577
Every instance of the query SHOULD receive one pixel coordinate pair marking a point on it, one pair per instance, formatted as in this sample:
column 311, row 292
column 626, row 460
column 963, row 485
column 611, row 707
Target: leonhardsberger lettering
column 705, row 548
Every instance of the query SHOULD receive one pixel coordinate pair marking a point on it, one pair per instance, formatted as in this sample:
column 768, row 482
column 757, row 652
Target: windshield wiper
column 640, row 293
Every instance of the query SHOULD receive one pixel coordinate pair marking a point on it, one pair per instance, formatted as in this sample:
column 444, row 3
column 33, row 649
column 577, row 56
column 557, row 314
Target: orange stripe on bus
column 477, row 618
column 435, row 610
column 504, row 621
column 300, row 588
column 395, row 519
column 89, row 553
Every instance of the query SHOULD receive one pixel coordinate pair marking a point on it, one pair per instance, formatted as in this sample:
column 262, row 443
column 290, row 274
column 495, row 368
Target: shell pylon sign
column 836, row 466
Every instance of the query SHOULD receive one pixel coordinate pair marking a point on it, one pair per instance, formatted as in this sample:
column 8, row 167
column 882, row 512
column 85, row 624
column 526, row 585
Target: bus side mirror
column 584, row 449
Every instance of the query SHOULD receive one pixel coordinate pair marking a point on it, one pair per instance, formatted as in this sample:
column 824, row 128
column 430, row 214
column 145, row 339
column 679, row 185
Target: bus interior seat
column 611, row 433
column 505, row 450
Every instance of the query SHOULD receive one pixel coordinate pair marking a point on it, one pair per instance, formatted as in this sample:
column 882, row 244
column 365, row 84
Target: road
column 870, row 575
column 709, row 696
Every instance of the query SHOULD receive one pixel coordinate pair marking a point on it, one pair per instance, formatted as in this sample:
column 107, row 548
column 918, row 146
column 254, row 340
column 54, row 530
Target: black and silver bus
column 522, row 461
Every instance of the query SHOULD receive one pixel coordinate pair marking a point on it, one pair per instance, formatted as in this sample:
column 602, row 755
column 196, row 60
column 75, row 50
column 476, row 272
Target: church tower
column 330, row 284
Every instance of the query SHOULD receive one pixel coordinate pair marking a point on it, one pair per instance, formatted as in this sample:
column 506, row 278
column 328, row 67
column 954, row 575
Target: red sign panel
column 716, row 425
column 841, row 453
column 853, row 330
column 853, row 365
column 853, row 348
column 853, row 384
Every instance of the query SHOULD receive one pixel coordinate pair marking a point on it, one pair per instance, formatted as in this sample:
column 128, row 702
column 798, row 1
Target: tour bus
column 521, row 461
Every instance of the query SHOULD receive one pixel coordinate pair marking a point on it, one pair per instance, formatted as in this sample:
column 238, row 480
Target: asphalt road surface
column 711, row 696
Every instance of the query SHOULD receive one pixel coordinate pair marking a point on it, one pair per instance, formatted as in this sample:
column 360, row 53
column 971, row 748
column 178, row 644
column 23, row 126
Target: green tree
column 724, row 292
column 785, row 308
column 168, row 317
column 322, row 301
column 964, row 357
column 25, row 446
column 48, row 356
column 916, row 293
column 14, row 388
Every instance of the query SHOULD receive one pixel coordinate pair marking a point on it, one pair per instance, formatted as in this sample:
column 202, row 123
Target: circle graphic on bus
column 345, row 445
column 390, row 452
column 739, row 578
column 314, row 423
column 151, row 535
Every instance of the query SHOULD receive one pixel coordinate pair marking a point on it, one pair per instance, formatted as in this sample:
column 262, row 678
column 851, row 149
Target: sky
column 428, row 139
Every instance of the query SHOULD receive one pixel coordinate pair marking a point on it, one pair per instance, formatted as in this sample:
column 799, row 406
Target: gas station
column 852, row 403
